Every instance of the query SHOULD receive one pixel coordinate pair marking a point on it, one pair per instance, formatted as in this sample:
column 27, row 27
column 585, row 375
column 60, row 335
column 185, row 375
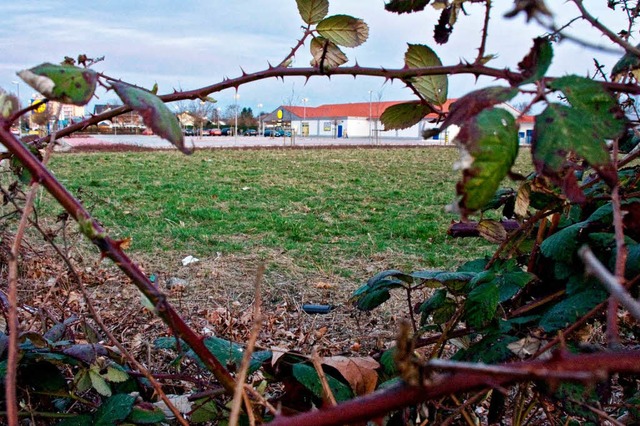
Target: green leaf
column 489, row 146
column 154, row 112
column 439, row 306
column 433, row 88
column 344, row 30
column 388, row 362
column 510, row 283
column 562, row 245
column 492, row 349
column 567, row 311
column 481, row 304
column 326, row 54
column 114, row 410
column 313, row 11
column 535, row 65
column 372, row 299
column 99, row 383
column 62, row 83
column 406, row 6
column 145, row 414
column 628, row 63
column 402, row 116
column 581, row 129
column 206, row 410
column 453, row 281
column 230, row 353
column 115, row 374
column 308, row 377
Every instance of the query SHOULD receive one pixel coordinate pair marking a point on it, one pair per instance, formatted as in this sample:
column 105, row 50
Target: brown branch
column 402, row 395
column 604, row 30
column 112, row 250
column 485, row 32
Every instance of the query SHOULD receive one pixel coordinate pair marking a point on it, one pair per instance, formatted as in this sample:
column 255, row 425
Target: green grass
column 323, row 208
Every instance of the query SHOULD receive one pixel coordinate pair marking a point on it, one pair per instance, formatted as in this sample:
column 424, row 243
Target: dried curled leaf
column 154, row 112
column 326, row 54
column 537, row 62
column 8, row 104
column 344, row 30
column 433, row 88
column 313, row 11
column 62, row 83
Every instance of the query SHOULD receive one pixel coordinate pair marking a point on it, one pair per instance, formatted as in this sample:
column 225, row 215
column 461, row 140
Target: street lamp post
column 218, row 110
column 370, row 135
column 17, row 83
column 235, row 130
column 304, row 116
column 260, row 120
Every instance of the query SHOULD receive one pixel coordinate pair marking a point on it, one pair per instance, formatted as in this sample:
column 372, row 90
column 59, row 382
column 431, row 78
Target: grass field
column 327, row 210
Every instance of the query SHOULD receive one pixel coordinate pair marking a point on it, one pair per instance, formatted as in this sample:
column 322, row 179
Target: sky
column 189, row 44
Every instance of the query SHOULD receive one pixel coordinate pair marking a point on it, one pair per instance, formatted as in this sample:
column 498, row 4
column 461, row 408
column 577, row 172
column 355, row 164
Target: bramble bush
column 498, row 340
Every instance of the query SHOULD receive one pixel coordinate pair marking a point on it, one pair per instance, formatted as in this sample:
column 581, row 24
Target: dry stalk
column 239, row 394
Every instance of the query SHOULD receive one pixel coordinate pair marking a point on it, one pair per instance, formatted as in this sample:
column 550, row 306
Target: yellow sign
column 279, row 114
column 41, row 108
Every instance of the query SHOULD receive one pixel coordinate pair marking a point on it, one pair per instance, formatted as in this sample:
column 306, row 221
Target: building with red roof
column 362, row 120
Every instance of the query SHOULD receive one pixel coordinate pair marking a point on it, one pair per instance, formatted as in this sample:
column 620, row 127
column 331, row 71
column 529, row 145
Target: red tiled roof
column 357, row 109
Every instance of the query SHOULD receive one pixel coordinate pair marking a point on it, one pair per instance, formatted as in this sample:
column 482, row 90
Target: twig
column 248, row 352
column 606, row 31
column 485, row 32
column 609, row 282
column 328, row 395
column 13, row 323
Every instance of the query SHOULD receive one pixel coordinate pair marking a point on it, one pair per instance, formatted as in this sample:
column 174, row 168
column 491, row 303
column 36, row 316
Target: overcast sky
column 192, row 43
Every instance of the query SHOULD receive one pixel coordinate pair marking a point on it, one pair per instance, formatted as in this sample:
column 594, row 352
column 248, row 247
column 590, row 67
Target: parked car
column 227, row 131
column 215, row 132
column 189, row 132
column 251, row 132
column 272, row 133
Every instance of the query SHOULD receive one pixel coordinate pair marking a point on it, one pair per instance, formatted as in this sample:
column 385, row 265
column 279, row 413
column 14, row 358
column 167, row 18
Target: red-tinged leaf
column 405, row 115
column 326, row 54
column 489, row 145
column 535, row 65
column 360, row 372
column 406, row 6
column 62, row 83
column 344, row 30
column 313, row 11
column 477, row 101
column 433, row 88
column 154, row 112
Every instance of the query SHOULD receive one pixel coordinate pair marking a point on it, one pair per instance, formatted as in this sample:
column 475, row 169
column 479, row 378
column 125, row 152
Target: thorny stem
column 307, row 33
column 485, row 32
column 604, row 30
column 111, row 249
column 383, row 401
